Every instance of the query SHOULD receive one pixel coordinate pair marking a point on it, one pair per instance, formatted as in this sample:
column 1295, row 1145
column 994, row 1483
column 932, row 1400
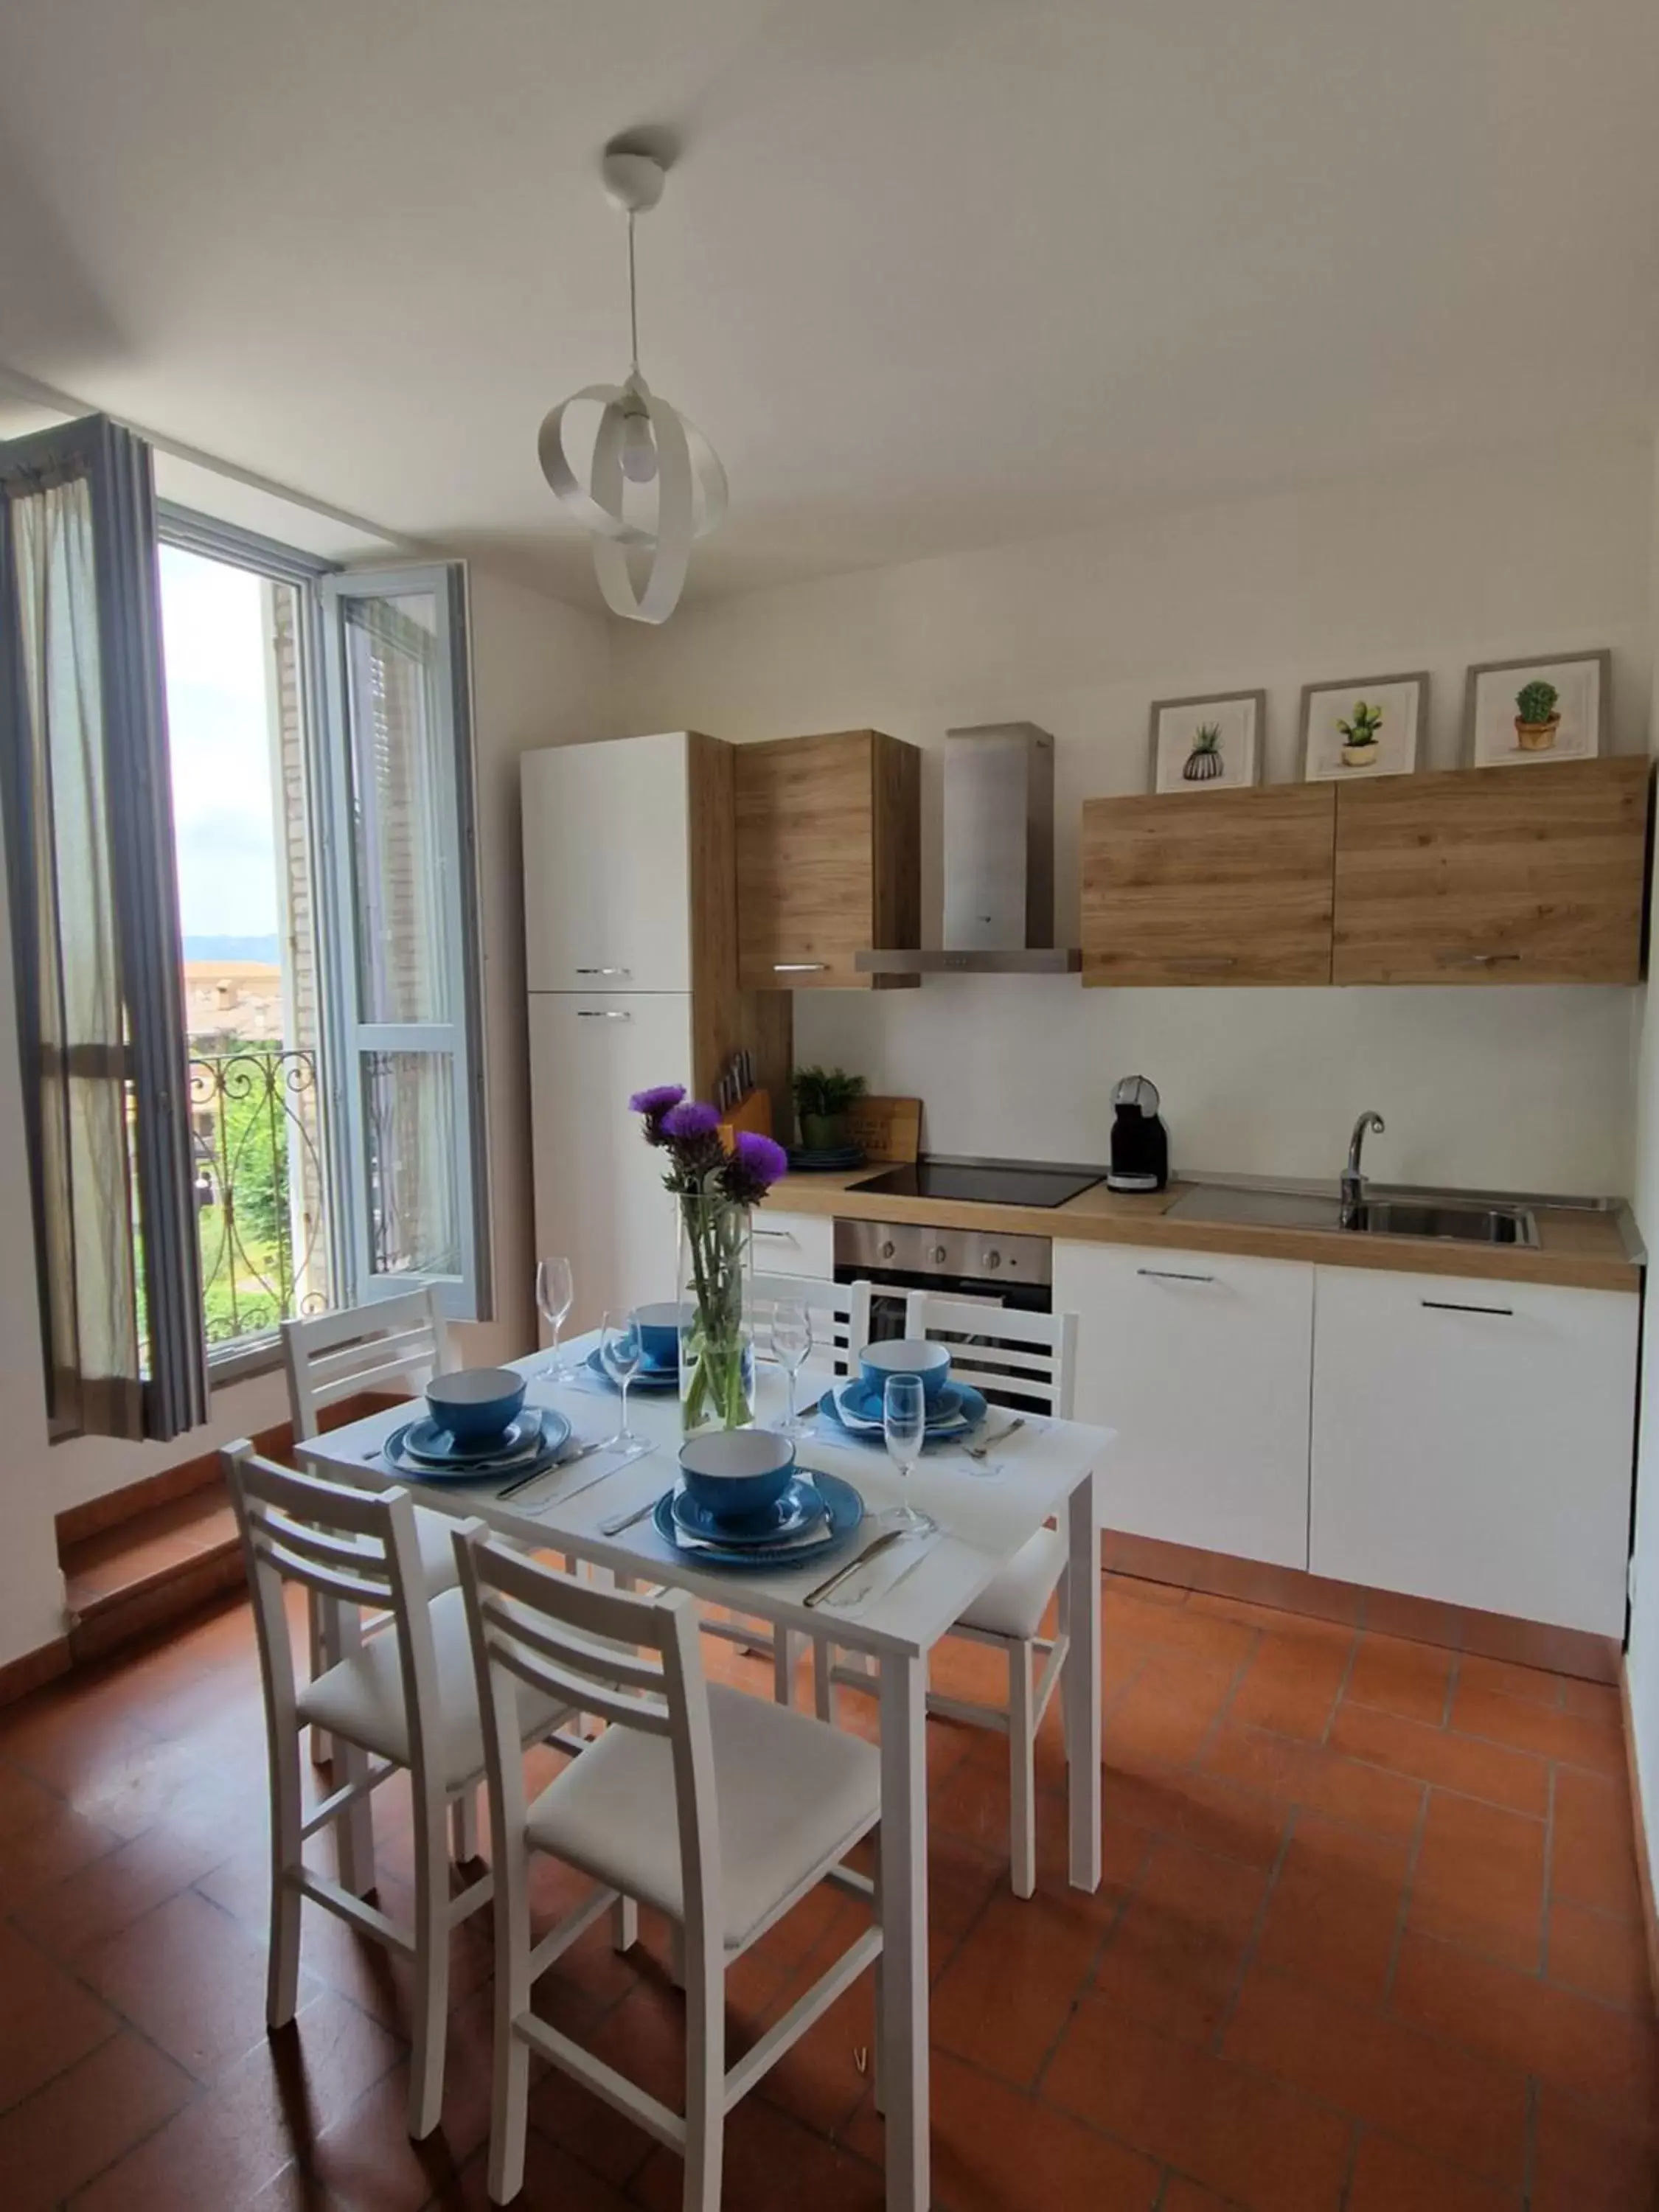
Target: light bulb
column 638, row 447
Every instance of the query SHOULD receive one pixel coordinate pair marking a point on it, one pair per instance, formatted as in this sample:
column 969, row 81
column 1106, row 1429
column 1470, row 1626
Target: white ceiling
column 930, row 274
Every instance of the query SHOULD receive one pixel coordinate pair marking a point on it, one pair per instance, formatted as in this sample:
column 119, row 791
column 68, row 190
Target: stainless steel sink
column 1458, row 1225
column 1448, row 1219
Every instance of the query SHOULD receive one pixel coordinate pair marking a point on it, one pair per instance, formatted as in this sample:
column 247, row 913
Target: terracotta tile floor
column 1369, row 1942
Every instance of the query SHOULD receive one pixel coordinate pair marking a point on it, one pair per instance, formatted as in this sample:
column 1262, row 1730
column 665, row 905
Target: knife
column 822, row 1591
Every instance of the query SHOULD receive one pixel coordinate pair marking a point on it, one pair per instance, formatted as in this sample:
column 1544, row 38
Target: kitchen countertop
column 1577, row 1247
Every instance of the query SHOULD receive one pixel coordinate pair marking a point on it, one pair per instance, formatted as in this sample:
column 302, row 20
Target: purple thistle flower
column 653, row 1104
column 690, row 1120
column 757, row 1163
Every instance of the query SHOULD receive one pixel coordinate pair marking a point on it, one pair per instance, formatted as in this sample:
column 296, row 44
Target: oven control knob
column 938, row 1255
column 994, row 1260
column 887, row 1249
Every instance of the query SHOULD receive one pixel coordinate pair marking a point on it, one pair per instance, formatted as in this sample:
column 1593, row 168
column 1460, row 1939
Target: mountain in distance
column 262, row 949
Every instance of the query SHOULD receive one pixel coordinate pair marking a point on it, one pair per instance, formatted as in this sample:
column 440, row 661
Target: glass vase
column 717, row 1350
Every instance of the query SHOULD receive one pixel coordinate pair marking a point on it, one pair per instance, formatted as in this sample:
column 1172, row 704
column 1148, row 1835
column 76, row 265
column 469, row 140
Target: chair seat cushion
column 794, row 1794
column 363, row 1699
column 1014, row 1602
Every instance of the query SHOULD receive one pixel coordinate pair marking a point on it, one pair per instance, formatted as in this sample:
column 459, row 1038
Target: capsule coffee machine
column 1140, row 1143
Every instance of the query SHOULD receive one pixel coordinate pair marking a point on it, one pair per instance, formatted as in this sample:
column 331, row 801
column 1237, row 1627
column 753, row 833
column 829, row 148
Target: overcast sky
column 222, row 799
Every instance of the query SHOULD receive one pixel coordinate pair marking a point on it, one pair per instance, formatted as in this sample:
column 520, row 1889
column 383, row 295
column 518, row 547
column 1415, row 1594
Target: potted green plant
column 1536, row 719
column 822, row 1095
column 1204, row 763
column 1359, row 745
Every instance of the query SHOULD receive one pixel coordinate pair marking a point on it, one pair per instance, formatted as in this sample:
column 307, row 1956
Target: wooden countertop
column 1578, row 1249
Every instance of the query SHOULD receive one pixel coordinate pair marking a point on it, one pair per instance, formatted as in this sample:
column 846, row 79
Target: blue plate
column 867, row 1427
column 529, row 1457
column 797, row 1508
column 430, row 1441
column 951, row 1409
column 646, row 1378
column 843, row 1504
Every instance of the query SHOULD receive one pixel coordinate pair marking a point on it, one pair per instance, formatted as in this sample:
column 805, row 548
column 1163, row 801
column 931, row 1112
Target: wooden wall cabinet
column 1226, row 887
column 1495, row 875
column 1492, row 875
column 828, row 858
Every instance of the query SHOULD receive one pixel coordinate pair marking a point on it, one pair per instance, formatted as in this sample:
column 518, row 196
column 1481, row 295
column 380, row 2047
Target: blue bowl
column 659, row 1333
column 475, row 1404
column 906, row 1355
column 737, row 1473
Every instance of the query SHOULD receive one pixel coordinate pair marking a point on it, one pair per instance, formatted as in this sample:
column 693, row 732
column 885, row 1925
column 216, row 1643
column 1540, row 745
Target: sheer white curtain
column 94, row 934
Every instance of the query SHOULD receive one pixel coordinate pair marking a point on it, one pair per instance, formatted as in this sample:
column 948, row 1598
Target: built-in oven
column 897, row 1257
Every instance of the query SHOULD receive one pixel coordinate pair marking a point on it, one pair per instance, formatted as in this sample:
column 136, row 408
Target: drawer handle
column 1479, row 959
column 778, row 1235
column 801, row 967
column 1172, row 1275
column 605, row 971
column 1209, row 963
column 603, row 1014
column 1452, row 1305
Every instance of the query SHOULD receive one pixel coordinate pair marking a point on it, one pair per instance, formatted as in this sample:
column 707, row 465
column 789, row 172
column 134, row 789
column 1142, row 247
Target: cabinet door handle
column 778, row 1235
column 1479, row 959
column 605, row 971
column 602, row 1014
column 1454, row 1305
column 1172, row 1275
column 801, row 967
column 1208, row 964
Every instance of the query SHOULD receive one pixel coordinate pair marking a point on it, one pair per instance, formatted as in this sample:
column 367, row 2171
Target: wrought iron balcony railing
column 255, row 1133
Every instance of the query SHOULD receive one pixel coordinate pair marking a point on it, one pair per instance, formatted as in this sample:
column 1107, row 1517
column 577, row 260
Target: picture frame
column 1214, row 742
column 1353, row 732
column 1573, row 691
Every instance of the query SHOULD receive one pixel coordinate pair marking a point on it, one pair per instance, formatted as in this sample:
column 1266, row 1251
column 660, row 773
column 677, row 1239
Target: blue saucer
column 841, row 1503
column 645, row 1378
column 547, row 1433
column 797, row 1508
column 856, row 1411
column 429, row 1440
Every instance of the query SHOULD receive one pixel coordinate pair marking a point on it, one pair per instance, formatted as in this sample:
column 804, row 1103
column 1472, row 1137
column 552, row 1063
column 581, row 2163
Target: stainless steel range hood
column 999, row 862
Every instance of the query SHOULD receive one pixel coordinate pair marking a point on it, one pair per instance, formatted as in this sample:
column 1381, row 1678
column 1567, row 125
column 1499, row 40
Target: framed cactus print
column 1520, row 712
column 1372, row 726
column 1210, row 744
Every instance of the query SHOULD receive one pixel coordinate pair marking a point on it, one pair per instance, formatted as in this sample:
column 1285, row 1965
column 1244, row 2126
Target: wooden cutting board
column 887, row 1129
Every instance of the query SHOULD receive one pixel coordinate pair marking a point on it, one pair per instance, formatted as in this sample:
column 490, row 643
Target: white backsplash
column 1494, row 1088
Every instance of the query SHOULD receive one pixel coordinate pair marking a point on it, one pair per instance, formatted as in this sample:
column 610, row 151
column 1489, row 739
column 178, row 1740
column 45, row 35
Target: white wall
column 1641, row 1659
column 540, row 675
column 1542, row 551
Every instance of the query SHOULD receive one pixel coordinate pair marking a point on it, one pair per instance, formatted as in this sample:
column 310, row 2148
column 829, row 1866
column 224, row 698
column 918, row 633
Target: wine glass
column 555, row 1293
column 621, row 1350
column 792, row 1344
column 904, row 1425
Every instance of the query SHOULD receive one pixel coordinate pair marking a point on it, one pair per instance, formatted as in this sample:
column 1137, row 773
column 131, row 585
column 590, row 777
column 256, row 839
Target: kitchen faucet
column 1353, row 1181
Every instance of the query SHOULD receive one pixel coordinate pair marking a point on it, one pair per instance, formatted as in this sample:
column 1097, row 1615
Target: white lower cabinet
column 794, row 1243
column 1200, row 1362
column 598, row 1188
column 1472, row 1442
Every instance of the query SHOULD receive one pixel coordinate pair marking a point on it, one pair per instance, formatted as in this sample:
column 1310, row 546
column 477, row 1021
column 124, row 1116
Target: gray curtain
column 94, row 927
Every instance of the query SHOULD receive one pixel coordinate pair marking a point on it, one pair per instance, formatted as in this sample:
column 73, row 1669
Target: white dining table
column 984, row 1515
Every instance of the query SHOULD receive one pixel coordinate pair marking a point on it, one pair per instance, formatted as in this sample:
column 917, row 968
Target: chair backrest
column 355, row 1550
column 393, row 1341
column 635, row 1662
column 840, row 1312
column 1017, row 1358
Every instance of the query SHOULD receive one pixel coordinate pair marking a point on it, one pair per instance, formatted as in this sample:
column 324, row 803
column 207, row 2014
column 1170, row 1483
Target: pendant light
column 642, row 440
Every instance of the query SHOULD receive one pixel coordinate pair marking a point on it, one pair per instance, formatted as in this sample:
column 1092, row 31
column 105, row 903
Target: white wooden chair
column 1023, row 1362
column 407, row 1698
column 840, row 1314
column 394, row 1344
column 719, row 1810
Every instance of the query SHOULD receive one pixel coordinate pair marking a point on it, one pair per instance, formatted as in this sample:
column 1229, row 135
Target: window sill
column 241, row 1363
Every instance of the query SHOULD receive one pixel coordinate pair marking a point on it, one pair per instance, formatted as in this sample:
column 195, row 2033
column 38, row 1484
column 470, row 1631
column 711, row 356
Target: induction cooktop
column 985, row 1183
